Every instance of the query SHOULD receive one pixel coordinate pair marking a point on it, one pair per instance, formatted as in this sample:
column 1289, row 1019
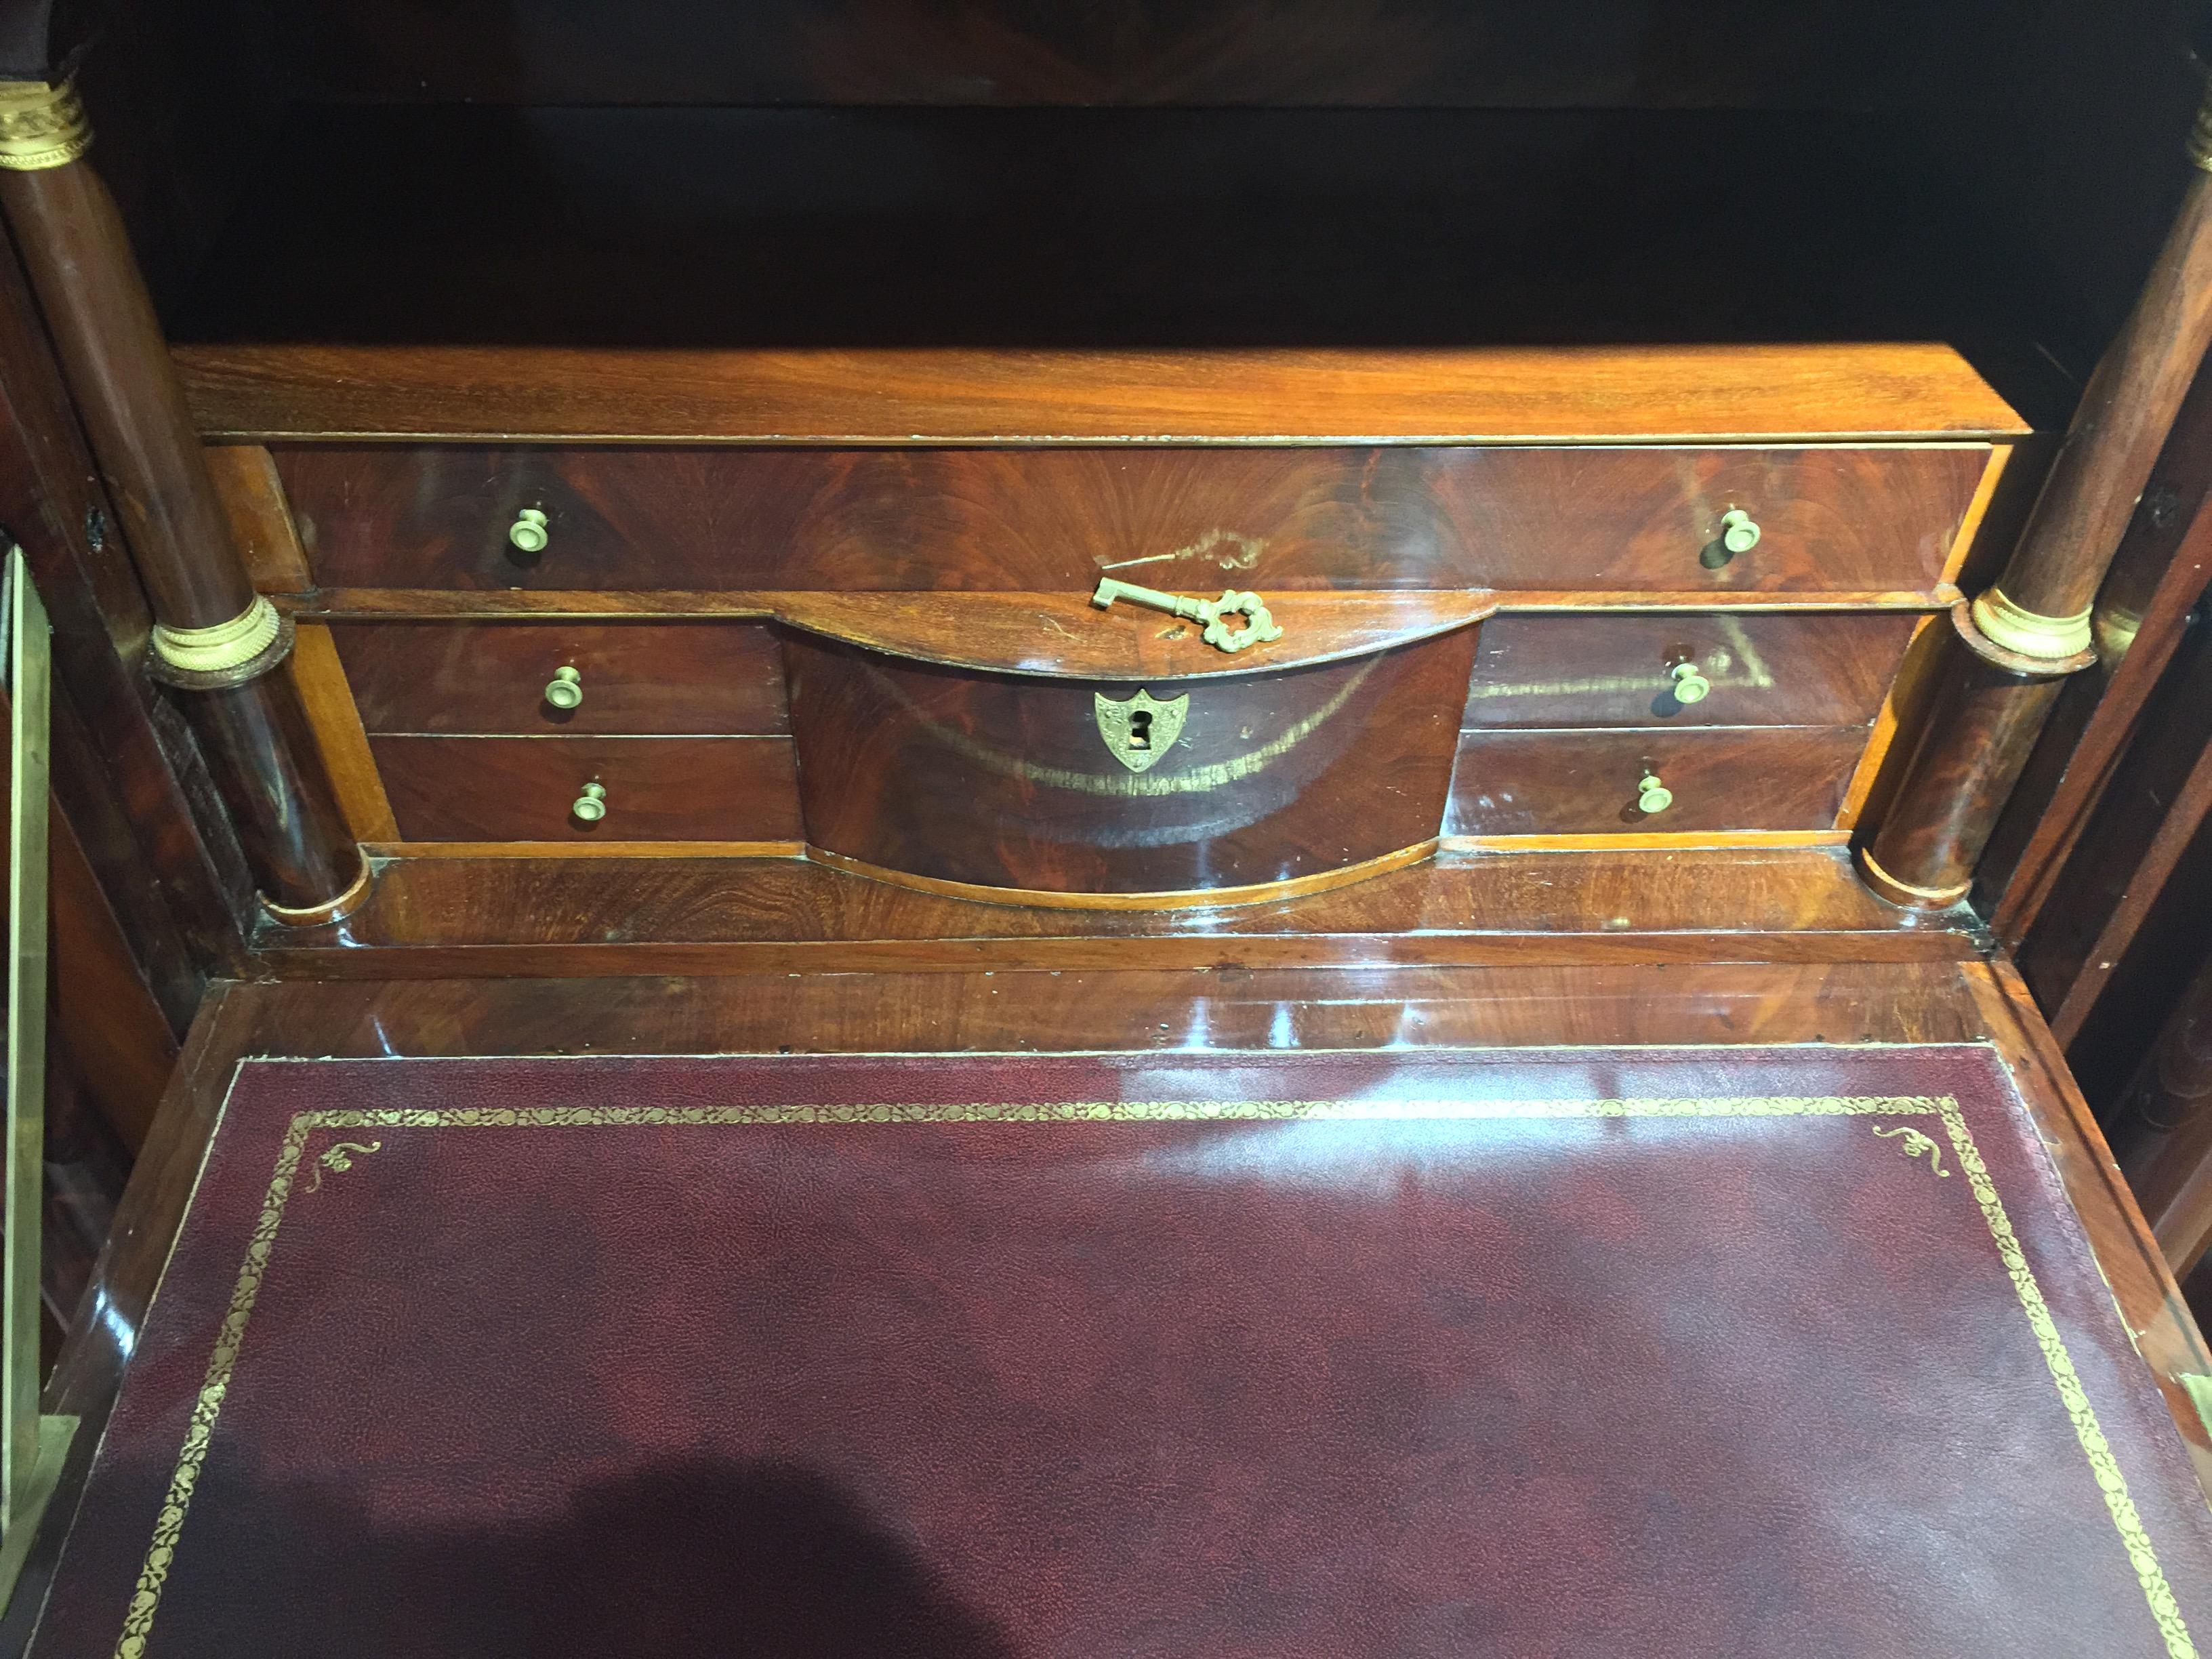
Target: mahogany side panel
column 638, row 679
column 1820, row 669
column 1002, row 781
column 2163, row 1129
column 1588, row 783
column 519, row 789
column 1840, row 519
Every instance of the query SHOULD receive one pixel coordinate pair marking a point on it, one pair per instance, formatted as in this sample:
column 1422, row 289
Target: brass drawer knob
column 528, row 531
column 566, row 689
column 590, row 806
column 1690, row 686
column 1653, row 796
column 1739, row 531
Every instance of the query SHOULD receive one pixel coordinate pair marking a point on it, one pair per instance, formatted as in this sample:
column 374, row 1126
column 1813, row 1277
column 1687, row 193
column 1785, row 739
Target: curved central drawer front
column 1075, row 785
column 1715, row 519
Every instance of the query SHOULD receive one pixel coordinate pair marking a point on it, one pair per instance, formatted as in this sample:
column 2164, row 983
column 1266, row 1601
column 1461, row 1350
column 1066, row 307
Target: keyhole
column 1141, row 730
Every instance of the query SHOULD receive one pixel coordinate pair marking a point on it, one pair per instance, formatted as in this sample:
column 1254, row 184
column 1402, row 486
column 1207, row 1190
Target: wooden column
column 2163, row 1130
column 220, row 645
column 2019, row 639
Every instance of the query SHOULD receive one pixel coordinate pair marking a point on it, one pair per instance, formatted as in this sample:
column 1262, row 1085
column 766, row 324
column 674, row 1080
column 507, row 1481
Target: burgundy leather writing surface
column 1652, row 1353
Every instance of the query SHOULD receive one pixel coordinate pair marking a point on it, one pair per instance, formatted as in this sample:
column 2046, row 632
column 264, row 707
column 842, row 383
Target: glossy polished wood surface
column 1003, row 782
column 1826, row 668
column 1974, row 741
column 1832, row 519
column 79, row 256
column 1836, row 1003
column 718, row 678
column 687, row 913
column 892, row 395
column 522, row 789
column 1588, row 783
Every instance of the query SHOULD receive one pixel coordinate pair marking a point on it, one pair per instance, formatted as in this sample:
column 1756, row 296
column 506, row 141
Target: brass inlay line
column 223, row 1363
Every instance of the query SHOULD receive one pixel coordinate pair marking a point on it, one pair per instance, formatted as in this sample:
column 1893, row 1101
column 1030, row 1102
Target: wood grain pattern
column 699, row 914
column 134, row 788
column 1586, row 783
column 1982, row 720
column 952, row 395
column 1602, row 518
column 1000, row 781
column 656, row 788
column 1830, row 669
column 717, row 680
column 332, row 711
column 261, row 526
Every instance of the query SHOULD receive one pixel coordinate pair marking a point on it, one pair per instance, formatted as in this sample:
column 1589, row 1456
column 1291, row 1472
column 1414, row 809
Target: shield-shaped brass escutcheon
column 1139, row 729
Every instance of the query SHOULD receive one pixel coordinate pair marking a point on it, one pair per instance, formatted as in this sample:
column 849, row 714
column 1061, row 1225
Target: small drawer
column 1575, row 783
column 1686, row 668
column 1064, row 785
column 711, row 678
column 511, row 789
column 1825, row 519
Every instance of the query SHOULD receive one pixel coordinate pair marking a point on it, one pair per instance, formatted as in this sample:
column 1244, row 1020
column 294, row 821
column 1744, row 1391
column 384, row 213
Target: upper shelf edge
column 1880, row 391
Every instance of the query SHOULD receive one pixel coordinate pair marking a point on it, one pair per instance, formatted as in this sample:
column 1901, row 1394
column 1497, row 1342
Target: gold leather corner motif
column 1140, row 729
column 338, row 1158
column 1914, row 1144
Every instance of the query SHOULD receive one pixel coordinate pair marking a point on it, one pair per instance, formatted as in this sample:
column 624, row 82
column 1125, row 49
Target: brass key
column 1211, row 615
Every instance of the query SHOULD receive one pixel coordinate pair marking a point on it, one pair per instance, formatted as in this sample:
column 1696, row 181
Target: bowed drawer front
column 1057, row 784
column 1865, row 520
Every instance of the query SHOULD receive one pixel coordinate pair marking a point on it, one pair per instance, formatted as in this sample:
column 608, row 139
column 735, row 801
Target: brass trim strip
column 41, row 126
column 335, row 909
column 1904, row 892
column 222, row 1361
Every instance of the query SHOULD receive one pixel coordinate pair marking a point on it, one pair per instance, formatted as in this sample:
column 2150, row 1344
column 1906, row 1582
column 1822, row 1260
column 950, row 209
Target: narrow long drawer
column 504, row 789
column 1861, row 519
column 710, row 678
column 1568, row 783
column 1825, row 669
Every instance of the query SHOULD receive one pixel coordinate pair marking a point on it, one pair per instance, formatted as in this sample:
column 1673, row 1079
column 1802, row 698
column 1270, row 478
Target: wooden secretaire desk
column 1359, row 657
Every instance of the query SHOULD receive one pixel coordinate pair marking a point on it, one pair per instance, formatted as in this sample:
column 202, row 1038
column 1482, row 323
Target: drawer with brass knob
column 1598, row 782
column 1685, row 669
column 1865, row 520
column 714, row 678
column 611, row 789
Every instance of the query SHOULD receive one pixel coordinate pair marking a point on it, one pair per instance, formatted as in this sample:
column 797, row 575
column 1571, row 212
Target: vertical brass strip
column 33, row 1446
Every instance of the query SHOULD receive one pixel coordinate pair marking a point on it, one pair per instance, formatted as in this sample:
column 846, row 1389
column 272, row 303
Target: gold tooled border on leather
column 169, row 1523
